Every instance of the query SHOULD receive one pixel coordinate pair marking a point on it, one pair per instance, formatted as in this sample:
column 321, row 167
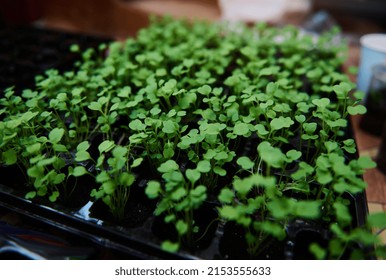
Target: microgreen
column 254, row 121
column 116, row 181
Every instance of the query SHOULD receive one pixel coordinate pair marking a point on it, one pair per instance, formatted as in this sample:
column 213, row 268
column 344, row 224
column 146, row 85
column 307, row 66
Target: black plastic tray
column 27, row 51
column 135, row 242
column 140, row 243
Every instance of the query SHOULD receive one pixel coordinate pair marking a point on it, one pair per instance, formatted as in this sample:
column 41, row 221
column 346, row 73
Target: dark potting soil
column 137, row 211
column 301, row 244
column 13, row 177
column 233, row 245
column 36, row 51
column 205, row 219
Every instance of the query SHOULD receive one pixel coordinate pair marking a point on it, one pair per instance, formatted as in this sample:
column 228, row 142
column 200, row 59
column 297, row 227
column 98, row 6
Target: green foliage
column 245, row 163
column 254, row 123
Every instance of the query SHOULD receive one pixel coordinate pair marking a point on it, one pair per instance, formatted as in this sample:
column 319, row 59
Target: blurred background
column 121, row 18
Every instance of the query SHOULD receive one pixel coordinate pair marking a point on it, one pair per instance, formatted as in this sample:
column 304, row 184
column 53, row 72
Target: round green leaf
column 366, row 162
column 168, row 166
column 155, row 111
column 10, row 157
column 126, row 179
column 342, row 187
column 137, row 125
column 53, row 197
column 281, row 122
column 342, row 213
column 241, row 129
column 178, row 194
column 308, row 209
column 220, row 171
column 319, row 252
column 193, row 175
column 274, row 229
column 34, row 148
column 30, row 195
column 204, row 166
column 79, row 171
column 356, row 110
column 181, row 227
column 136, row 162
column 153, row 189
column 83, row 146
column 170, row 246
column 321, row 103
column 377, row 220
column 331, row 146
column 106, row 146
column 82, row 156
column 108, row 187
column 58, row 178
column 293, row 155
column 56, row 135
column 342, row 89
column 120, row 151
column 204, row 90
column 59, row 148
column 169, row 127
column 226, row 196
column 300, row 118
column 229, row 212
column 261, row 130
column 245, row 163
column 95, row 106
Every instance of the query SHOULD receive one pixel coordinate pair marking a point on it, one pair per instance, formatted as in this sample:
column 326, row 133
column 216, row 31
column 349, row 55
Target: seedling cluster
column 251, row 121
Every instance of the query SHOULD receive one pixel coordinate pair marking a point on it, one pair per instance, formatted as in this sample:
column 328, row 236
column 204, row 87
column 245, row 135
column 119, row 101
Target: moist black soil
column 205, row 219
column 137, row 211
column 233, row 245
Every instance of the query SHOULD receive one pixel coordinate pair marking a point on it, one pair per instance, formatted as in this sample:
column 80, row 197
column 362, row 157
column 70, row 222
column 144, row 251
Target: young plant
column 47, row 167
column 257, row 205
column 114, row 174
column 179, row 196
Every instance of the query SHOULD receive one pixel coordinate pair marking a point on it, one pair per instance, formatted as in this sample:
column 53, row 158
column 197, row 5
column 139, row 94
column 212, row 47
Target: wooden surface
column 368, row 145
column 119, row 18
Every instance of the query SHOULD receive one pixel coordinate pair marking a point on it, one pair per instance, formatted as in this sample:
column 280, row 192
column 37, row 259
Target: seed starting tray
column 27, row 52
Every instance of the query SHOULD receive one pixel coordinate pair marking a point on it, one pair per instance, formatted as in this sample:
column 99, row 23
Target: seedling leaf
column 319, row 252
column 106, row 146
column 356, row 110
column 204, row 166
column 181, row 227
column 193, row 175
column 245, row 163
column 366, row 162
column 53, row 197
column 226, row 196
column 241, row 129
column 153, row 189
column 56, row 135
column 170, row 246
column 30, row 195
column 168, row 166
column 377, row 220
column 10, row 157
column 79, row 171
